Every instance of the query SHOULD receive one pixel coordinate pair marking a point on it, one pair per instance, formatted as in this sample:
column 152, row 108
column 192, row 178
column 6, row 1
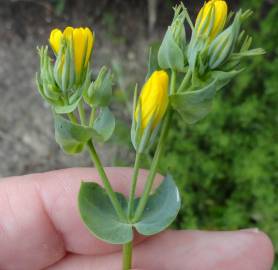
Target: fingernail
column 251, row 230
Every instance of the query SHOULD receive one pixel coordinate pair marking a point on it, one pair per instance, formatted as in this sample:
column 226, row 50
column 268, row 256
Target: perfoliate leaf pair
column 195, row 103
column 99, row 216
column 73, row 137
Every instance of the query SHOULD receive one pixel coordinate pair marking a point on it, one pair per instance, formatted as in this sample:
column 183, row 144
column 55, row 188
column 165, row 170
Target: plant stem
column 153, row 169
column 92, row 117
column 173, row 82
column 82, row 114
column 185, row 81
column 127, row 256
column 134, row 183
column 72, row 118
column 114, row 200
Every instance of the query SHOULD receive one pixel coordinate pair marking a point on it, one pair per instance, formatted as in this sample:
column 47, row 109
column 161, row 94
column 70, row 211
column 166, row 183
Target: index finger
column 39, row 219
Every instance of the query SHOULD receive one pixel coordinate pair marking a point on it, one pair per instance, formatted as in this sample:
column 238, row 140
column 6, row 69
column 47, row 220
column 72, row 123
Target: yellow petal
column 55, row 39
column 90, row 44
column 68, row 32
column 79, row 46
column 221, row 11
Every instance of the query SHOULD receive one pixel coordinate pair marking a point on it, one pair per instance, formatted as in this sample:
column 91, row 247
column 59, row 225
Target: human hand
column 40, row 228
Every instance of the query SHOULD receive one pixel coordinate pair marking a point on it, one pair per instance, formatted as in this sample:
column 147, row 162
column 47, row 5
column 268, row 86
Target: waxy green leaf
column 194, row 105
column 72, row 137
column 104, row 124
column 161, row 210
column 101, row 219
column 99, row 216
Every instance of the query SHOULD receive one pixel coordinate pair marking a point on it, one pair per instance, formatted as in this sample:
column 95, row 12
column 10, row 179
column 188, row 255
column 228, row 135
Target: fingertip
column 263, row 250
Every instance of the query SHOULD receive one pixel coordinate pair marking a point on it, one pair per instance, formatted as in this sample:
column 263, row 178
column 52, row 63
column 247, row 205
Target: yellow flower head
column 153, row 99
column 212, row 18
column 82, row 40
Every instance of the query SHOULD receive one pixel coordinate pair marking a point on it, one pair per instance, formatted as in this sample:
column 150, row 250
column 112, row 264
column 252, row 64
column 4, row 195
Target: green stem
column 127, row 256
column 185, row 81
column 82, row 113
column 173, row 82
column 134, row 183
column 105, row 181
column 72, row 118
column 153, row 169
column 92, row 117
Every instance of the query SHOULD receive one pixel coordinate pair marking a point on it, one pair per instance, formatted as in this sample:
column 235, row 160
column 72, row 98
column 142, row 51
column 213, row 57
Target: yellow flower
column 153, row 99
column 212, row 18
column 82, row 41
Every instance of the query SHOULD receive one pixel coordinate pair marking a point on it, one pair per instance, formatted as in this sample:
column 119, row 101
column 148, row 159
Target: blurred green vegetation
column 227, row 165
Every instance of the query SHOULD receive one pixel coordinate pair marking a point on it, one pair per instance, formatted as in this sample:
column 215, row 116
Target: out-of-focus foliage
column 227, row 164
column 59, row 6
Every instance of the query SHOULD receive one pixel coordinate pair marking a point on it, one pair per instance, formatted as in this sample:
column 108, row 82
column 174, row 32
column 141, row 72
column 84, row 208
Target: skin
column 40, row 228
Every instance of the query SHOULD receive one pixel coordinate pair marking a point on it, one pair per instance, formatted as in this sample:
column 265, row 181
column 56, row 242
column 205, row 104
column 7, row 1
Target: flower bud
column 79, row 42
column 171, row 51
column 223, row 45
column 100, row 91
column 153, row 100
column 211, row 19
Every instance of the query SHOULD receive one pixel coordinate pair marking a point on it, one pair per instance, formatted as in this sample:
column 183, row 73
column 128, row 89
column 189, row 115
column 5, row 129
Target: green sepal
column 161, row 209
column 170, row 55
column 59, row 64
column 73, row 103
column 152, row 61
column 46, row 84
column 172, row 49
column 223, row 45
column 100, row 217
column 62, row 109
column 104, row 124
column 99, row 92
column 136, row 125
column 194, row 105
column 98, row 214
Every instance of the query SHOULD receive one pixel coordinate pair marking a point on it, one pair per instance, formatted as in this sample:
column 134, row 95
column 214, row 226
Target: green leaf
column 104, row 124
column 223, row 78
column 170, row 56
column 71, row 137
column 194, row 105
column 161, row 209
column 98, row 214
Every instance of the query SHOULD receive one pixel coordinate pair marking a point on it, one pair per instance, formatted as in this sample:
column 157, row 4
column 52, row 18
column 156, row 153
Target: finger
column 39, row 215
column 190, row 250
